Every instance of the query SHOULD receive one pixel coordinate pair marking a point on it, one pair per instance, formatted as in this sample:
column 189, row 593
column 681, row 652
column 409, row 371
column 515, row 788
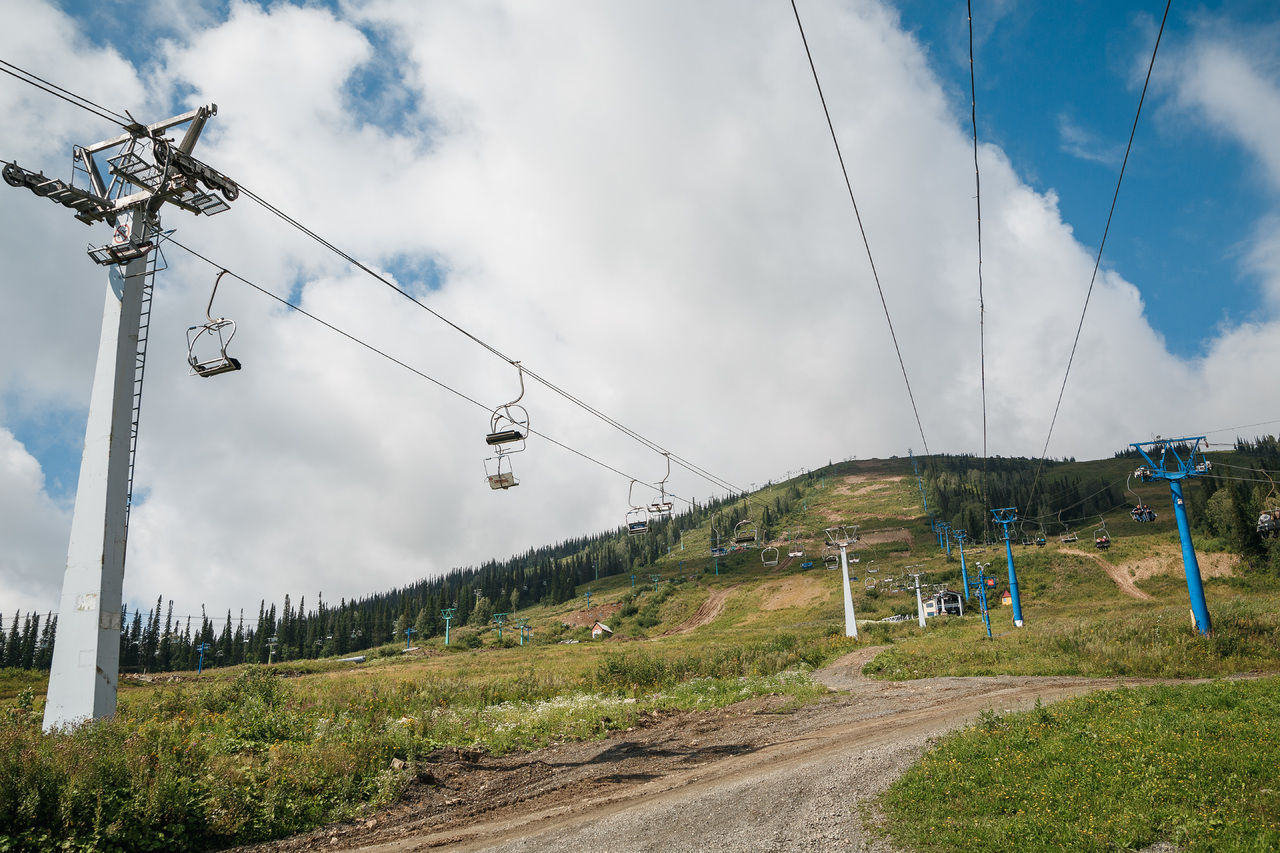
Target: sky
column 641, row 203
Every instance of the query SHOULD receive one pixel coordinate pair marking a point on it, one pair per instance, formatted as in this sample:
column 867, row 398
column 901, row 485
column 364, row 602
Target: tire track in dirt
column 1117, row 574
column 706, row 613
column 755, row 776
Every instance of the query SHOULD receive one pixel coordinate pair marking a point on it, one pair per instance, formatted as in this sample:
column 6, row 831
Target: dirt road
column 755, row 776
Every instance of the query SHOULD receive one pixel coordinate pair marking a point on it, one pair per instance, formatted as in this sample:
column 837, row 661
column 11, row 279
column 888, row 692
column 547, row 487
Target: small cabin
column 600, row 630
column 1006, row 598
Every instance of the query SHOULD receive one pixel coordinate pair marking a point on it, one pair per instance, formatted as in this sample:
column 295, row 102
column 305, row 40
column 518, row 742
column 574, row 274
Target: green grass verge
column 252, row 755
column 1195, row 765
column 1130, row 640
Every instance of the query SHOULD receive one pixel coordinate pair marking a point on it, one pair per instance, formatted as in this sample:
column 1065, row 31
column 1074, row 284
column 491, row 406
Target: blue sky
column 1058, row 87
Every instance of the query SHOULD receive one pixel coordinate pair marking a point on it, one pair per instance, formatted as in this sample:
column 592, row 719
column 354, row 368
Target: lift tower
column 1176, row 460
column 145, row 169
column 1005, row 517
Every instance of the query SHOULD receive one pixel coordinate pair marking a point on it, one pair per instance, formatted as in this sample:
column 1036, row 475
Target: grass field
column 259, row 752
column 1193, row 765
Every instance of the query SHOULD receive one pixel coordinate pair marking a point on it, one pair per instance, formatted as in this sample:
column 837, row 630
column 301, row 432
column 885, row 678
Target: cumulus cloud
column 649, row 214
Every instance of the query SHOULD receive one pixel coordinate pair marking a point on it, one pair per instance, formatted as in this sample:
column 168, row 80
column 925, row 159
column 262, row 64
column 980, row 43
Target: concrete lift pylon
column 86, row 655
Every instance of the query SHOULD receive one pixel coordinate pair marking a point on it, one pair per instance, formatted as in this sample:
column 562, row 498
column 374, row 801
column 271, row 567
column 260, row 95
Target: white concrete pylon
column 850, row 623
column 86, row 652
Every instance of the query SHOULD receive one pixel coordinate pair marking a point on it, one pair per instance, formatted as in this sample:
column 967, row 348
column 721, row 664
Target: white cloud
column 33, row 530
column 649, row 214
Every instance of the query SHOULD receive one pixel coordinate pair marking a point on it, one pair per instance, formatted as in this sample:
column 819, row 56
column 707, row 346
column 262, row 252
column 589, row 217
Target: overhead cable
column 126, row 122
column 408, row 367
column 1101, row 245
column 865, row 242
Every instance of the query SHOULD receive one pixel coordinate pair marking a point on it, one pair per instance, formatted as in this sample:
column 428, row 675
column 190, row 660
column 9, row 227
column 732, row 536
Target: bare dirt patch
column 706, row 613
column 759, row 775
column 1168, row 561
column 879, row 537
column 587, row 618
column 1116, row 573
column 848, row 482
column 794, row 591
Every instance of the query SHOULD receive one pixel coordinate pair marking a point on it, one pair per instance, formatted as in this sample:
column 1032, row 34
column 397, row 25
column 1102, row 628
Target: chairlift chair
column 497, row 470
column 637, row 516
column 1068, row 534
column 509, row 423
column 830, row 556
column 1269, row 518
column 795, row 548
column 220, row 329
column 1140, row 512
column 637, row 521
column 1101, row 538
column 661, row 508
column 769, row 556
column 745, row 533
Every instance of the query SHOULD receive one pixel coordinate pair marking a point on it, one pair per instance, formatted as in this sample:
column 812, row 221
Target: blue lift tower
column 1005, row 517
column 1179, row 459
column 960, row 536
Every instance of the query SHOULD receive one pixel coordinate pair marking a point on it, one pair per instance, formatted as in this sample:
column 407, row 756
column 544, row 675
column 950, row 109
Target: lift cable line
column 125, row 122
column 409, row 367
column 715, row 480
column 1101, row 245
column 865, row 242
column 67, row 95
column 982, row 310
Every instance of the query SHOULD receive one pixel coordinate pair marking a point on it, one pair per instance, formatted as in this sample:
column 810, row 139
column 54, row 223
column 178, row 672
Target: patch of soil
column 1116, row 573
column 706, row 613
column 849, row 481
column 793, row 591
column 1168, row 561
column 587, row 618
column 879, row 537
column 759, row 775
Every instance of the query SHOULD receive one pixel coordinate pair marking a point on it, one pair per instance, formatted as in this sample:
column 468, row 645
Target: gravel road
column 755, row 776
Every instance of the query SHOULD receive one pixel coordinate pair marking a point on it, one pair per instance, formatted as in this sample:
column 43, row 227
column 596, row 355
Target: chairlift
column 745, row 533
column 1068, row 534
column 509, row 423
column 1140, row 512
column 661, row 508
column 795, row 548
column 1269, row 518
column 497, row 470
column 769, row 556
column 222, row 330
column 637, row 516
column 1040, row 538
column 830, row 556
column 1101, row 539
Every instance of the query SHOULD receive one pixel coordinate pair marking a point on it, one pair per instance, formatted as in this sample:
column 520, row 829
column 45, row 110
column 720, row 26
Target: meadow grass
column 250, row 755
column 1194, row 765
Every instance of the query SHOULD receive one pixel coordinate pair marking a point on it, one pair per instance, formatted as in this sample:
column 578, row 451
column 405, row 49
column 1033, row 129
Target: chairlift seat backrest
column 505, row 436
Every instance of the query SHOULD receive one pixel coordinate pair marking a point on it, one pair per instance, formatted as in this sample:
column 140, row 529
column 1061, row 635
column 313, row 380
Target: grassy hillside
column 195, row 761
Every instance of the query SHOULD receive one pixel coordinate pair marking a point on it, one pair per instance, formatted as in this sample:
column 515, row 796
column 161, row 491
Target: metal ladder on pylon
column 155, row 263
